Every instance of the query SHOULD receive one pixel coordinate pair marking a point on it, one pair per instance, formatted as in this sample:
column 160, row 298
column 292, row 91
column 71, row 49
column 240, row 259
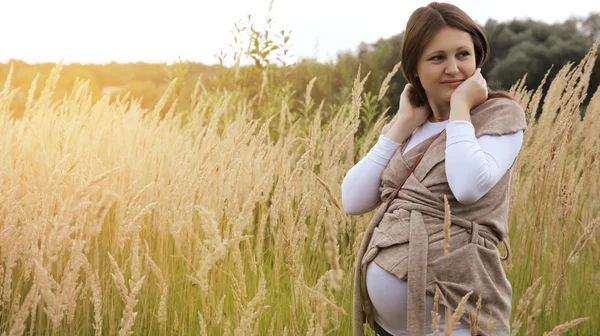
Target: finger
column 481, row 75
column 405, row 88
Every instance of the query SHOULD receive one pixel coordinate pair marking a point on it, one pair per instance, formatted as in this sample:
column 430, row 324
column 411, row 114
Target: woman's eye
column 439, row 57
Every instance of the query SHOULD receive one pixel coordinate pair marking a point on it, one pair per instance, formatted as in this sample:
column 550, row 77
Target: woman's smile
column 452, row 83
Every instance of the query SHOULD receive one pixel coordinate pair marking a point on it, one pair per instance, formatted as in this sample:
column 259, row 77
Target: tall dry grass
column 117, row 220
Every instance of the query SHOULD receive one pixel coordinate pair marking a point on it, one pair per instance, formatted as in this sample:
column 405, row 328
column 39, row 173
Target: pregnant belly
column 389, row 297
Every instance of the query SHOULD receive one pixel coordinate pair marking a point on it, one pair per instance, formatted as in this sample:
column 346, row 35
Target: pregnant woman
column 452, row 137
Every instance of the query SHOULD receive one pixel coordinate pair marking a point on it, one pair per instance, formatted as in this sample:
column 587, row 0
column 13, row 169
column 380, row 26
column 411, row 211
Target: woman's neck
column 439, row 111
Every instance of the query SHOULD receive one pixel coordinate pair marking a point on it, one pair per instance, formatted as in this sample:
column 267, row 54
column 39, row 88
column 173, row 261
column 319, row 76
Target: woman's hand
column 472, row 92
column 408, row 113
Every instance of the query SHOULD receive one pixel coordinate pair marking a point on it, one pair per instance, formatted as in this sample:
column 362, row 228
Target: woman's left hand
column 472, row 92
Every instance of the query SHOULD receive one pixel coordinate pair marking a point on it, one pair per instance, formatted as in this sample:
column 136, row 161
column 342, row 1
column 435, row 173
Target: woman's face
column 449, row 56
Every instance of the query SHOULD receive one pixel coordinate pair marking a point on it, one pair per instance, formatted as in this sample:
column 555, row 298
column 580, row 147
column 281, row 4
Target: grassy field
column 212, row 221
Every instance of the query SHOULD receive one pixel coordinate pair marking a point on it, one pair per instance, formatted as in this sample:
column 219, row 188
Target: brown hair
column 422, row 25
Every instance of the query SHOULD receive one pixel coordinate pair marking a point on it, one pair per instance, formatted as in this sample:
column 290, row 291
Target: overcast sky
column 159, row 31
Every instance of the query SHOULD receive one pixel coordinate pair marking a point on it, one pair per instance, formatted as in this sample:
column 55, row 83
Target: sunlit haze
column 160, row 31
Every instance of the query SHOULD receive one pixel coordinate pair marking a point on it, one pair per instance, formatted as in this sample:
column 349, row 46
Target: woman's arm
column 474, row 166
column 360, row 188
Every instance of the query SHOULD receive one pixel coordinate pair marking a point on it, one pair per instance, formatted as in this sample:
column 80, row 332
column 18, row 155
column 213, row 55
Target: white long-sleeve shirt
column 473, row 167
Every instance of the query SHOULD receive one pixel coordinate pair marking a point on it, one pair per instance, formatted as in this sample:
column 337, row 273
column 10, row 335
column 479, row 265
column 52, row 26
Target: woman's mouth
column 453, row 84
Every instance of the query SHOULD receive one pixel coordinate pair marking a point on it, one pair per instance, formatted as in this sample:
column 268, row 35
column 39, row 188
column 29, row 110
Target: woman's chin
column 446, row 96
column 442, row 97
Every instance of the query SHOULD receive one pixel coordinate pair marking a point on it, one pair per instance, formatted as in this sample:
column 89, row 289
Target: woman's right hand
column 407, row 112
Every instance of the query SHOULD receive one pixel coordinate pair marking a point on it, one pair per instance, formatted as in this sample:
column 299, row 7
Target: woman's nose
column 451, row 67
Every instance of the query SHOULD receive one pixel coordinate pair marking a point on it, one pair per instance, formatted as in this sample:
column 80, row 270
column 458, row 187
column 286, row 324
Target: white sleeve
column 360, row 187
column 475, row 165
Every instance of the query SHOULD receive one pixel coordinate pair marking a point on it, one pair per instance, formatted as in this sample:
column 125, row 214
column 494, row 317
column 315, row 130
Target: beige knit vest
column 407, row 239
